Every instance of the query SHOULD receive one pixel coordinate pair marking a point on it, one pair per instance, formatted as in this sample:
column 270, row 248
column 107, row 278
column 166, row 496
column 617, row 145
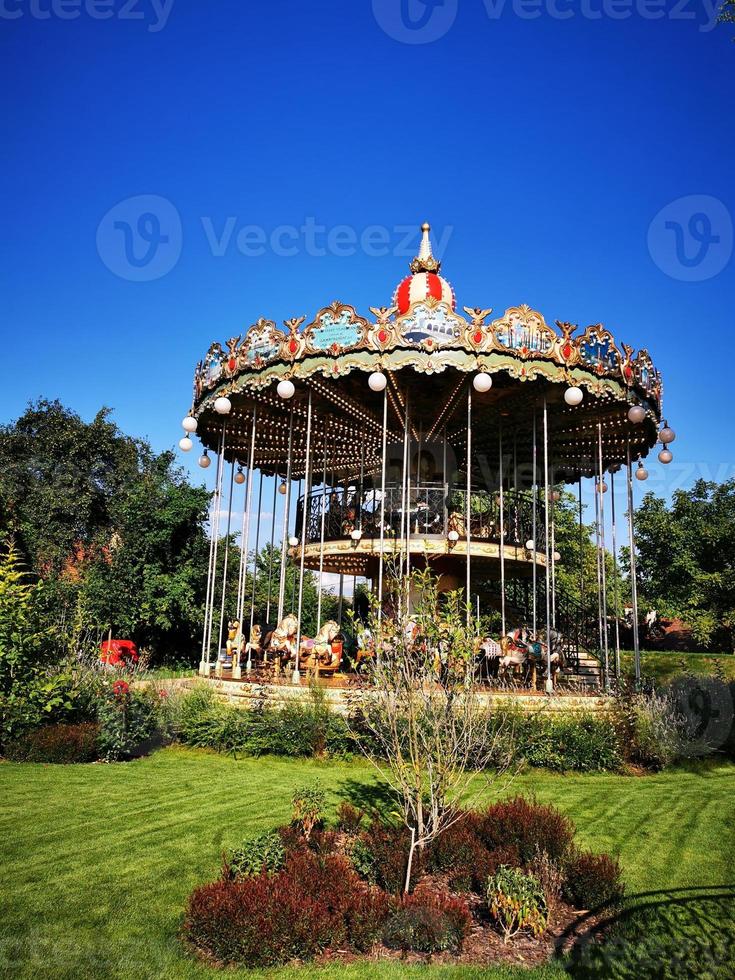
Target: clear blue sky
column 545, row 146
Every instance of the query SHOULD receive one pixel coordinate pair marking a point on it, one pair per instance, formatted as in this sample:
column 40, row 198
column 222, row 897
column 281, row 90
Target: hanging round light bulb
column 530, row 544
column 602, row 487
column 557, row 556
column 185, row 444
column 666, row 435
column 641, row 473
column 377, row 381
column 482, row 382
column 223, row 406
column 356, row 534
column 453, row 536
column 636, row 414
column 189, row 424
column 293, row 542
column 239, row 476
column 665, row 456
column 282, row 488
column 204, row 460
column 285, row 389
column 573, row 396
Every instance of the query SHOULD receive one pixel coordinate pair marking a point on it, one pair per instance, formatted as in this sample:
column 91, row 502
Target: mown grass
column 97, row 860
column 664, row 666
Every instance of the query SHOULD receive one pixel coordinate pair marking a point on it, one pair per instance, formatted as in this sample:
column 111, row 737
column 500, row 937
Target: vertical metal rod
column 286, row 517
column 597, row 557
column 272, row 548
column 214, row 508
column 296, row 510
column 552, row 549
column 502, row 529
column 602, row 557
column 382, row 505
column 468, row 535
column 257, row 546
column 549, row 681
column 534, row 504
column 218, row 505
column 307, row 487
column 245, row 539
column 445, row 482
column 226, row 561
column 581, row 547
column 633, row 572
column 403, row 508
column 616, row 612
column 321, row 533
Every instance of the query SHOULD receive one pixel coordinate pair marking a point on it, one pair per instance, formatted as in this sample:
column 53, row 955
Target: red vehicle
column 118, row 653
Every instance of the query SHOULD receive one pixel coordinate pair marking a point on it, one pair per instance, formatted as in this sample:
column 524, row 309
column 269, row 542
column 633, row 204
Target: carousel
column 419, row 437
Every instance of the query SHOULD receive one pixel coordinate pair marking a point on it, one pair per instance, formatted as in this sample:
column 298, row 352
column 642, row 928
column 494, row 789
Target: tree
column 727, row 12
column 429, row 730
column 686, row 558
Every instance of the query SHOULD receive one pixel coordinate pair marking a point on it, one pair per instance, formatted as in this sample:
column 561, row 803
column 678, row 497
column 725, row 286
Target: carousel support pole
column 468, row 571
column 603, row 568
column 549, row 679
column 502, row 528
column 270, row 552
column 218, row 667
column 214, row 511
column 597, row 557
column 446, row 482
column 534, row 506
column 249, row 664
column 553, row 550
column 581, row 546
column 298, row 497
column 217, row 503
column 321, row 533
column 633, row 572
column 615, row 576
column 382, row 504
column 307, row 482
column 245, row 541
column 286, row 517
column 404, row 520
column 340, row 600
column 408, row 516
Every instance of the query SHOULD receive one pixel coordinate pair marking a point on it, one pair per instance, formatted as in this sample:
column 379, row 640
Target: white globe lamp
column 482, row 382
column 223, row 406
column 377, row 381
column 285, row 389
column 573, row 396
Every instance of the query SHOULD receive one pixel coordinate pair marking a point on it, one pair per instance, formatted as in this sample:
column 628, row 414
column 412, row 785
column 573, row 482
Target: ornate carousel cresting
column 420, row 438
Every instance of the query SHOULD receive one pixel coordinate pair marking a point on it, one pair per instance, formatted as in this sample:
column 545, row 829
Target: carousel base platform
column 342, row 690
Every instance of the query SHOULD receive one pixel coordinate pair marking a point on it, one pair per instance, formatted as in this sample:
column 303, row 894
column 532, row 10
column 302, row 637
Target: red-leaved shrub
column 384, row 849
column 428, row 921
column 529, row 827
column 314, row 903
column 57, row 743
column 459, row 853
column 592, row 880
column 349, row 817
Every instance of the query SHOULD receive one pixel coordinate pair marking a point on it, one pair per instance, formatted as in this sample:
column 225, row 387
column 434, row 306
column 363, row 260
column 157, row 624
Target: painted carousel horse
column 282, row 641
column 324, row 652
column 254, row 646
column 365, row 648
column 231, row 656
column 523, row 654
column 488, row 653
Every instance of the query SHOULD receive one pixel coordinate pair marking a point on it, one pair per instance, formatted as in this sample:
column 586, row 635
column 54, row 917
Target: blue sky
column 541, row 147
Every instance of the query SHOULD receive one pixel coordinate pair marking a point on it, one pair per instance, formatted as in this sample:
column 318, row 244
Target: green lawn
column 97, row 860
column 664, row 666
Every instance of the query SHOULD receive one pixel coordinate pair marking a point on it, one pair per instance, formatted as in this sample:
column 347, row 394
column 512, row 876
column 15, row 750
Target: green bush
column 127, row 717
column 308, row 808
column 264, row 853
column 650, row 729
column 592, row 880
column 56, row 743
column 516, row 901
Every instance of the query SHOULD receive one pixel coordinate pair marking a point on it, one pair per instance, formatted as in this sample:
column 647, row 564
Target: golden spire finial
column 425, row 261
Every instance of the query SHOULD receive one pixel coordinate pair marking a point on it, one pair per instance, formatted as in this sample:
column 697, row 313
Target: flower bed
column 498, row 882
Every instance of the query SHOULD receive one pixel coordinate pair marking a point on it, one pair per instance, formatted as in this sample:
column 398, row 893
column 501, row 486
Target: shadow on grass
column 672, row 933
column 375, row 797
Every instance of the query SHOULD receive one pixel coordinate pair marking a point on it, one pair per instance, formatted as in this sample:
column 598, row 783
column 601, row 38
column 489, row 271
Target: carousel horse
column 488, row 652
column 232, row 648
column 319, row 652
column 254, row 646
column 282, row 641
column 524, row 654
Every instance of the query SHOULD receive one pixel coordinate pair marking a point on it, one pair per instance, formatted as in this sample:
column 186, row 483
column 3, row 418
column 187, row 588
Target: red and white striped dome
column 424, row 280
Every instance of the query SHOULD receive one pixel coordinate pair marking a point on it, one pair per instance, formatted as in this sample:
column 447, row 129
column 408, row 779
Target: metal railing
column 430, row 509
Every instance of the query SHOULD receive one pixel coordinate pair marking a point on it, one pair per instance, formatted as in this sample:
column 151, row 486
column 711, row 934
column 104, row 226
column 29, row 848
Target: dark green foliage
column 592, row 880
column 127, row 718
column 56, row 743
column 264, row 853
column 428, row 921
column 313, row 903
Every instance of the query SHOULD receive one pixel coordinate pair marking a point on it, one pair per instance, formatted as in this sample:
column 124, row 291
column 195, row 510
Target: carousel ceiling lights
column 665, row 456
column 223, row 405
column 189, row 424
column 666, row 435
column 282, row 488
column 293, row 541
column 636, row 414
column 641, row 472
column 285, row 389
column 185, row 444
column 239, row 476
column 573, row 396
column 204, row 460
column 482, row 382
